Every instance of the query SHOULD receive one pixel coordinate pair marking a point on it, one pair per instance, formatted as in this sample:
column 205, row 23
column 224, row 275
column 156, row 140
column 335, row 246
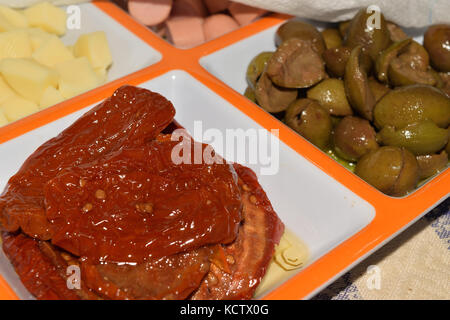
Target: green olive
column 336, row 60
column 295, row 65
column 357, row 87
column 371, row 39
column 384, row 59
column 395, row 32
column 430, row 164
column 250, row 94
column 343, row 28
column 437, row 43
column 405, row 105
column 391, row 170
column 271, row 97
column 331, row 95
column 332, row 38
column 335, row 120
column 445, row 77
column 257, row 67
column 354, row 137
column 378, row 90
column 411, row 66
column 423, row 137
column 303, row 31
column 439, row 81
column 311, row 120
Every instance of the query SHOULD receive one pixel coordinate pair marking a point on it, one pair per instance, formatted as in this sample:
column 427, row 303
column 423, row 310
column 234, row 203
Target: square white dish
column 120, row 40
column 297, row 192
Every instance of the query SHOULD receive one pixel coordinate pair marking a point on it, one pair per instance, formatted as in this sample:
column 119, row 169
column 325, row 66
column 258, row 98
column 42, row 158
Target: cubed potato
column 14, row 17
column 28, row 78
column 15, row 44
column 94, row 46
column 76, row 76
column 48, row 17
column 17, row 107
column 102, row 74
column 5, row 25
column 50, row 97
column 5, row 90
column 52, row 52
column 38, row 37
column 3, row 120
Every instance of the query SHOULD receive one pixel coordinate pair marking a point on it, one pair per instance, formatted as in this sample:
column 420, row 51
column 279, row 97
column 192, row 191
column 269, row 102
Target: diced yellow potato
column 17, row 107
column 76, row 76
column 3, row 120
column 14, row 17
column 28, row 78
column 102, row 74
column 5, row 90
column 15, row 44
column 94, row 46
column 38, row 37
column 48, row 17
column 50, row 97
column 52, row 52
column 5, row 25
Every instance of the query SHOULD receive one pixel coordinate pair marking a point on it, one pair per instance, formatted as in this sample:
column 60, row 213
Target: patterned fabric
column 414, row 265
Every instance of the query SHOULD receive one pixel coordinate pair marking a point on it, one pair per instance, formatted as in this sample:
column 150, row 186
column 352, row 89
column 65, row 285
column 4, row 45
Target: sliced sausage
column 244, row 14
column 218, row 25
column 185, row 32
column 150, row 12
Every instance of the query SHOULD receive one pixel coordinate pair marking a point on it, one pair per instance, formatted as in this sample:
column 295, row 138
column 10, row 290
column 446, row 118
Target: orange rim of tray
column 392, row 215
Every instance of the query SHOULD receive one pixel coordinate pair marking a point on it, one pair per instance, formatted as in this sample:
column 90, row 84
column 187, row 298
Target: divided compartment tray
column 338, row 216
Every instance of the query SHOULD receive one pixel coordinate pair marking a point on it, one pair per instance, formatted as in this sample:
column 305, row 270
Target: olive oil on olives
column 437, row 43
column 311, row 120
column 302, row 31
column 357, row 87
column 271, row 97
column 336, row 60
column 405, row 105
column 411, row 66
column 295, row 64
column 420, row 138
column 250, row 94
column 378, row 90
column 373, row 99
column 332, row 38
column 395, row 32
column 353, row 137
column 257, row 67
column 430, row 164
column 391, row 170
column 372, row 40
column 331, row 95
column 386, row 56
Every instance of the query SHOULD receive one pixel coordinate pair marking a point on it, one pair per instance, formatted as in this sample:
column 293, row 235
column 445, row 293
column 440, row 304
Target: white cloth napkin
column 407, row 13
column 27, row 3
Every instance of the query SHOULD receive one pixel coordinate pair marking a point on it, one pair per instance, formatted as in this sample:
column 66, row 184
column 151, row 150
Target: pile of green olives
column 374, row 99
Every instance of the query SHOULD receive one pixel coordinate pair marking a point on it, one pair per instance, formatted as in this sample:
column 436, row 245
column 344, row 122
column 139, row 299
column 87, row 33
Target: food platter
column 341, row 218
